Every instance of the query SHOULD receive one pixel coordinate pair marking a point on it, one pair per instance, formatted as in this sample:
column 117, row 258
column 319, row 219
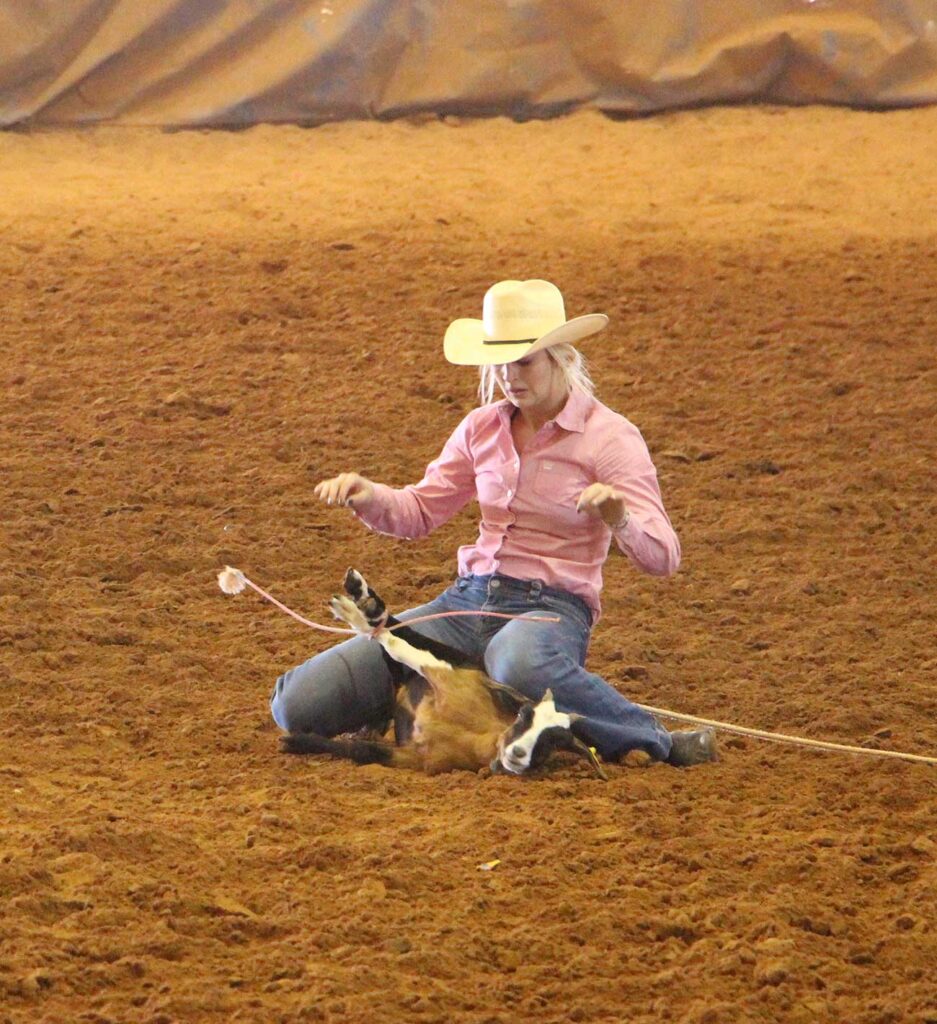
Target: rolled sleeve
column 416, row 510
column 648, row 538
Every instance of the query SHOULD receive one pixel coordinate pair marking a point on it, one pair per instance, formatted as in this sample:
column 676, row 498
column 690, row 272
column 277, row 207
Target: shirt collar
column 571, row 417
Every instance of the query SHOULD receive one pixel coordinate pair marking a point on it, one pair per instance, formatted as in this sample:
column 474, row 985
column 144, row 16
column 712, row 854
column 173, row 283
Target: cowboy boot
column 693, row 747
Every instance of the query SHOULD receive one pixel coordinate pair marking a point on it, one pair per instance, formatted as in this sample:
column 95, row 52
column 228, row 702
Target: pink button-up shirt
column 530, row 528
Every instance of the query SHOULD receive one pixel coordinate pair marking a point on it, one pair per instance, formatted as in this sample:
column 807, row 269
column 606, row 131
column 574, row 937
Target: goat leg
column 359, row 751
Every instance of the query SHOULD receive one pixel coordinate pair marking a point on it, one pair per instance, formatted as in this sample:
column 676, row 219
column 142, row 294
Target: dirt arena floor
column 198, row 326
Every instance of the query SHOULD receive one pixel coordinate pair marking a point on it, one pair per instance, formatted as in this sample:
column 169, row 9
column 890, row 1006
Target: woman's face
column 534, row 384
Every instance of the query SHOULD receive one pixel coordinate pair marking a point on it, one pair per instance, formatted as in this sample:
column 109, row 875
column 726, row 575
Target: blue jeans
column 349, row 686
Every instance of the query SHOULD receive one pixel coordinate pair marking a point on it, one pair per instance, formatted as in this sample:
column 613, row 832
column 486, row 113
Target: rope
column 778, row 737
column 233, row 581
column 494, row 615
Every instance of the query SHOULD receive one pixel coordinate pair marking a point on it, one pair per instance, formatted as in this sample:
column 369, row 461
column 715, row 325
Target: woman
column 558, row 476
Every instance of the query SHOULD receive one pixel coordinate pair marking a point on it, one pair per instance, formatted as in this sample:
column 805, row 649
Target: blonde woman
column 558, row 477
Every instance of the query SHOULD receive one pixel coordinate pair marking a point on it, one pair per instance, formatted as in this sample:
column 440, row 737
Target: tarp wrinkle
column 228, row 62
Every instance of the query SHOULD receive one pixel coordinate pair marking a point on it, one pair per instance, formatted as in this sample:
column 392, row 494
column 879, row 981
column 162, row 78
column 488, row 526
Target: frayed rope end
column 231, row 580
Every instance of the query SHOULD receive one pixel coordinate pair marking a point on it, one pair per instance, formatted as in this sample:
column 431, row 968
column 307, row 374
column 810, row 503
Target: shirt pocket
column 559, row 482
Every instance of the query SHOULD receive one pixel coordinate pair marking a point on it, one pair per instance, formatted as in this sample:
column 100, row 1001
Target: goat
column 449, row 714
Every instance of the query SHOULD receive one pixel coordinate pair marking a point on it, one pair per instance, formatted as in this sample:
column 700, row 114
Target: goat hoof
column 369, row 604
column 355, row 585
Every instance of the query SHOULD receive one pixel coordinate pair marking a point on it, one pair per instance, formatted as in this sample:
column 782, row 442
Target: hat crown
column 522, row 310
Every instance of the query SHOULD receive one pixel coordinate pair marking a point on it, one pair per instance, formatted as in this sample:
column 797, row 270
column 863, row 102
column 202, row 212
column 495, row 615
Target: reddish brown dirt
column 196, row 327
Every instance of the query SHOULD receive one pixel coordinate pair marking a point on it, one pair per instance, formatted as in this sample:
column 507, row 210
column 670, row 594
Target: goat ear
column 578, row 747
column 507, row 699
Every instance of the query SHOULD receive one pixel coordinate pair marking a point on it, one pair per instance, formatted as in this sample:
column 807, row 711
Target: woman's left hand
column 604, row 502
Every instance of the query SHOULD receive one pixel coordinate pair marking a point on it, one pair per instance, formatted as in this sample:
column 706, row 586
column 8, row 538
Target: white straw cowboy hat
column 518, row 317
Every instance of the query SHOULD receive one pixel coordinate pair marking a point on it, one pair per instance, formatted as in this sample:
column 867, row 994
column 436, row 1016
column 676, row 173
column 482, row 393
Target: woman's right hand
column 349, row 489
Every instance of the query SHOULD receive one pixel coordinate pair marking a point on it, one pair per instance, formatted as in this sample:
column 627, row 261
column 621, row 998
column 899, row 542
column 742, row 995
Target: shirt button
column 510, row 492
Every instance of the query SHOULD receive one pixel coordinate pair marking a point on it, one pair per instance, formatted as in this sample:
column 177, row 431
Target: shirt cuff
column 375, row 515
column 627, row 531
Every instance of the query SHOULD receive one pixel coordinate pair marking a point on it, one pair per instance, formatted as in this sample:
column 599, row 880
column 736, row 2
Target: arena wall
column 240, row 62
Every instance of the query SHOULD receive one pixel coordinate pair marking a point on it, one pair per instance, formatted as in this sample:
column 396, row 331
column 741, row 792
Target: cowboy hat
column 518, row 317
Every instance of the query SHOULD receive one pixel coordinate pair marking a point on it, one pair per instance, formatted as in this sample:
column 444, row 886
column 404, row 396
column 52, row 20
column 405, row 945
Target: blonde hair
column 566, row 357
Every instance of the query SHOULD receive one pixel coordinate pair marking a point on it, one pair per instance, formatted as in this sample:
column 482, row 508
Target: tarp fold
column 239, row 62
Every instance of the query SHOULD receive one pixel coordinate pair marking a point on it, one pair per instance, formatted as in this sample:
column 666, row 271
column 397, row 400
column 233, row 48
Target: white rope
column 778, row 737
column 233, row 581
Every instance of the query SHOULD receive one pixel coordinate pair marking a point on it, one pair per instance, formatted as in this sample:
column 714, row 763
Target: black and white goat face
column 538, row 731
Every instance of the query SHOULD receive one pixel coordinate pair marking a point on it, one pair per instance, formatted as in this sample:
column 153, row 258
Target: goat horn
column 580, row 748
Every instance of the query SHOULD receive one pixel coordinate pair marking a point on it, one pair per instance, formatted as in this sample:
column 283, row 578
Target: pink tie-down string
column 233, row 581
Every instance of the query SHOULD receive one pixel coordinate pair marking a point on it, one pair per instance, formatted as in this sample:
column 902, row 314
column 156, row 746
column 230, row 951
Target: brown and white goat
column 448, row 715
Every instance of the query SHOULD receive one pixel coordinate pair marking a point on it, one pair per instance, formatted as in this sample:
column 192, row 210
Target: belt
column 497, row 582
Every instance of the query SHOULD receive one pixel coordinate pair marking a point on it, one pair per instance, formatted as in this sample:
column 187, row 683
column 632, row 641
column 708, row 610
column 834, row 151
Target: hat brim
column 466, row 343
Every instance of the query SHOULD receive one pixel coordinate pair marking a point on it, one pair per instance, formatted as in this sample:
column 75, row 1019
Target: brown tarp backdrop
column 238, row 62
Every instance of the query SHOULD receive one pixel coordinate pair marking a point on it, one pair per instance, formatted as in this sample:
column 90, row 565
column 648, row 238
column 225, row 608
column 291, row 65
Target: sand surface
column 195, row 327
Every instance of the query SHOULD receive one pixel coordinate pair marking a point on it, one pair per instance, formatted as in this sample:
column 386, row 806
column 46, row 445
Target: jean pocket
column 467, row 592
column 568, row 610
